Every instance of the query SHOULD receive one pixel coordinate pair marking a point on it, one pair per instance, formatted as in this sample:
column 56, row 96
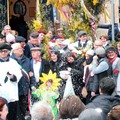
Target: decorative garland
column 78, row 15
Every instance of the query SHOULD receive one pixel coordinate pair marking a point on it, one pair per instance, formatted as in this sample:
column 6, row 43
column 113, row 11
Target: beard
column 88, row 61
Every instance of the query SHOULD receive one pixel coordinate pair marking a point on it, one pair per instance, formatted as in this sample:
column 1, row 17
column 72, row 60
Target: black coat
column 92, row 82
column 77, row 76
column 45, row 68
column 57, row 66
column 24, row 84
column 105, row 102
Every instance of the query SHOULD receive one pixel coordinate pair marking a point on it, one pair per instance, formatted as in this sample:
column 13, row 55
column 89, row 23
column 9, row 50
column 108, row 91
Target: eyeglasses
column 4, row 51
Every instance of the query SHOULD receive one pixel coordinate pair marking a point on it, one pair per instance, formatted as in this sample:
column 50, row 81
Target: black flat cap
column 34, row 34
column 20, row 39
column 5, row 46
column 82, row 32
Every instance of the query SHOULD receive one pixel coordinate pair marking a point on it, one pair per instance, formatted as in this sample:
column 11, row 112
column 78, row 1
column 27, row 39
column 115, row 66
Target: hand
column 69, row 69
column 52, row 94
column 92, row 94
column 33, row 88
column 95, row 57
column 10, row 76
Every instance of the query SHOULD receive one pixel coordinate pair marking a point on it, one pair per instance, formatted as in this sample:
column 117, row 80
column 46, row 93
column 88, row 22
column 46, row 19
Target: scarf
column 113, row 59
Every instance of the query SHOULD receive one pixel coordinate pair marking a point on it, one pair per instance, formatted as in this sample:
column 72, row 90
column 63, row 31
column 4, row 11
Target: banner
column 3, row 13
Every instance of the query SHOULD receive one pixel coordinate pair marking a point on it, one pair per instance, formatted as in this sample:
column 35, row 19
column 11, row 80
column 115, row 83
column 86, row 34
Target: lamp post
column 112, row 20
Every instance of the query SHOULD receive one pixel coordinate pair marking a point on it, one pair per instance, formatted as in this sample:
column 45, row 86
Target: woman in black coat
column 58, row 64
column 75, row 66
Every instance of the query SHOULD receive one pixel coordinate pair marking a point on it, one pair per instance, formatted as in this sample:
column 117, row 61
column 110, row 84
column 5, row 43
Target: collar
column 6, row 60
column 36, row 61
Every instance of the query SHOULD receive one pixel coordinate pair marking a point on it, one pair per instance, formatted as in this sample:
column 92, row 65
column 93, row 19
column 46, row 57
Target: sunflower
column 50, row 76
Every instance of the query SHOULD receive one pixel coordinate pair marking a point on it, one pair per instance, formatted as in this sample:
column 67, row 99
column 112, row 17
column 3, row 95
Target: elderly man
column 26, row 48
column 41, row 111
column 27, row 81
column 100, row 68
column 10, row 74
column 32, row 42
column 6, row 30
column 38, row 64
column 97, row 44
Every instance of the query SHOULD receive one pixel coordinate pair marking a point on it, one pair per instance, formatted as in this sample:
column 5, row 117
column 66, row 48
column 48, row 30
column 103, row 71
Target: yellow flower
column 37, row 25
column 95, row 2
column 53, row 77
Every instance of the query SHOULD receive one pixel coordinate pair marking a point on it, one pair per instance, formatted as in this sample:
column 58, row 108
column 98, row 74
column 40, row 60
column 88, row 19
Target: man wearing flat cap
column 83, row 43
column 33, row 41
column 38, row 66
column 25, row 46
column 10, row 75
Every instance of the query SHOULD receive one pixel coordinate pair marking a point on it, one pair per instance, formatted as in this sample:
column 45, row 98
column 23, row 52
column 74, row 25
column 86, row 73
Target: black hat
column 20, row 39
column 34, row 34
column 5, row 46
column 111, row 48
column 2, row 36
column 82, row 32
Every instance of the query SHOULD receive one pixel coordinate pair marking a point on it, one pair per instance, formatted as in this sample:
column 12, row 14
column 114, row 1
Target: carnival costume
column 49, row 94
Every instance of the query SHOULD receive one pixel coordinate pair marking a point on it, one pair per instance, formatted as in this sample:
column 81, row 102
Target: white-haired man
column 41, row 111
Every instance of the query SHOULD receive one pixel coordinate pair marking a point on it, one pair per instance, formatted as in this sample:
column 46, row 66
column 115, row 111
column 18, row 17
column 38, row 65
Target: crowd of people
column 33, row 87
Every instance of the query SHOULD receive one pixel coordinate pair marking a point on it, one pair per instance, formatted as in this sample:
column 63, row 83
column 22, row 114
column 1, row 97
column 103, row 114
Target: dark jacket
column 45, row 68
column 89, row 80
column 105, row 102
column 99, row 76
column 77, row 75
column 57, row 66
column 25, row 83
column 27, row 51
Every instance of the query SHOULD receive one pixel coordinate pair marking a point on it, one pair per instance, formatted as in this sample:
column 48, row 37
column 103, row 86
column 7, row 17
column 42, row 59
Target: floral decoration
column 78, row 15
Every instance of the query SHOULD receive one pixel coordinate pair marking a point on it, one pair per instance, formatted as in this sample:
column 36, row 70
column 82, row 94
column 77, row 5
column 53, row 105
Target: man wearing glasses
column 10, row 75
